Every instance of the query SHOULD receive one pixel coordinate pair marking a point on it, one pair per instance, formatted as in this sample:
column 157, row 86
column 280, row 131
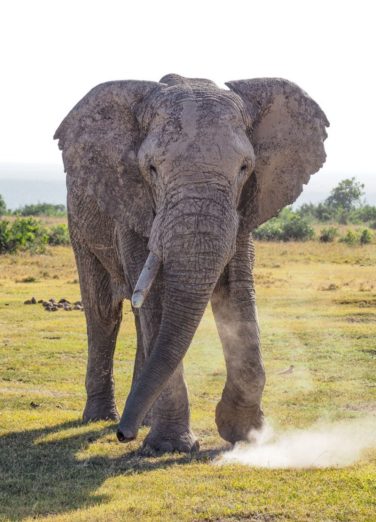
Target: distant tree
column 3, row 207
column 346, row 195
column 307, row 210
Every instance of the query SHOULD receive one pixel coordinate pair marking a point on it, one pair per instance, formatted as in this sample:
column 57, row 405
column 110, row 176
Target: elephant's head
column 189, row 166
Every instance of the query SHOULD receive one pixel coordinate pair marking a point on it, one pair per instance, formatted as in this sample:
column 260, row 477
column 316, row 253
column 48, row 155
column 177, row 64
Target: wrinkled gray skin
column 184, row 170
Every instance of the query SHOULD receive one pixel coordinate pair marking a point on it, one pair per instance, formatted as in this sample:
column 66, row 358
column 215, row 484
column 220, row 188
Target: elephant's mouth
column 146, row 280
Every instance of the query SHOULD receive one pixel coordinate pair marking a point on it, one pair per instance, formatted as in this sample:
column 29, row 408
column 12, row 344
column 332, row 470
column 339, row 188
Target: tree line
column 345, row 205
column 37, row 209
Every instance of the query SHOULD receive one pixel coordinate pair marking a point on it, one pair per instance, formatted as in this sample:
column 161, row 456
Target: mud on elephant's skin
column 166, row 181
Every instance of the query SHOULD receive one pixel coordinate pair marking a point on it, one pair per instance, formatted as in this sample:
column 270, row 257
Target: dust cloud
column 323, row 445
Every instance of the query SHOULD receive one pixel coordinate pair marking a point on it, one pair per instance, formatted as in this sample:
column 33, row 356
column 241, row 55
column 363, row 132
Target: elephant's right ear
column 99, row 139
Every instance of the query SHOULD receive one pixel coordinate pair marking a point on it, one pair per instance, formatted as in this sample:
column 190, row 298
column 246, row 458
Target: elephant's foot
column 235, row 421
column 99, row 409
column 157, row 443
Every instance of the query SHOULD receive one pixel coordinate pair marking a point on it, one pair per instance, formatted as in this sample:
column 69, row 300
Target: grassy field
column 317, row 308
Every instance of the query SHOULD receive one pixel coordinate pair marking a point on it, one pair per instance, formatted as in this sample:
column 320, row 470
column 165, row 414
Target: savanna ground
column 317, row 309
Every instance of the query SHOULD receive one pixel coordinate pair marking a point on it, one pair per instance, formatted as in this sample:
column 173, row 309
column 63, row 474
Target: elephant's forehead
column 204, row 127
column 192, row 110
column 189, row 117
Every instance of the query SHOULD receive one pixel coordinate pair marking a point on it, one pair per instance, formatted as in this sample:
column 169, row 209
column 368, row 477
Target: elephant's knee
column 247, row 384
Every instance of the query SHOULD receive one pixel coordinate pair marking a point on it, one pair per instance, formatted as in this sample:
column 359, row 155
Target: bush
column 41, row 209
column 5, row 236
column 328, row 235
column 350, row 238
column 22, row 234
column 354, row 237
column 365, row 237
column 28, row 234
column 269, row 231
column 58, row 235
column 363, row 214
column 287, row 226
column 297, row 229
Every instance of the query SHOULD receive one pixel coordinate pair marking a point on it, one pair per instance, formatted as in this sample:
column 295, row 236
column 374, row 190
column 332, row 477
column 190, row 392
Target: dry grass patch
column 54, row 468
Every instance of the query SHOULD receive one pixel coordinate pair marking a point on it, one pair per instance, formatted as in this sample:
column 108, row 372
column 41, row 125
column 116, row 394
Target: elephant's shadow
column 43, row 477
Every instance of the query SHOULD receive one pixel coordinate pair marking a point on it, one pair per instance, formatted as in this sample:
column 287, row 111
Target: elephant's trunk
column 197, row 242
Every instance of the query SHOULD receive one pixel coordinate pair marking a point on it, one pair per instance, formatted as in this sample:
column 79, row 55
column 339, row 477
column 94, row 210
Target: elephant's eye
column 153, row 170
column 244, row 167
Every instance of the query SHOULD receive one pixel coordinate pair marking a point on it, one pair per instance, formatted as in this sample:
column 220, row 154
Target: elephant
column 166, row 181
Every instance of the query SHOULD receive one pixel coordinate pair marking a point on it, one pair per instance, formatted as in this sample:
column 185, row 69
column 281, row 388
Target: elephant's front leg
column 233, row 303
column 170, row 419
column 103, row 318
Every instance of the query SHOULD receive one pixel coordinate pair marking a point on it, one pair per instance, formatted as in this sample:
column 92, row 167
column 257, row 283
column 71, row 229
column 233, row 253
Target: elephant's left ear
column 288, row 131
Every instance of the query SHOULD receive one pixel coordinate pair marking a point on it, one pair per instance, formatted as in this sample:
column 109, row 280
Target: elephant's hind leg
column 103, row 317
column 233, row 303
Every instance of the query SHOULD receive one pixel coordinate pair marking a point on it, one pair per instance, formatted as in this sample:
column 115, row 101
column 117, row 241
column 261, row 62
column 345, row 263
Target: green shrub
column 328, row 235
column 22, row 234
column 5, row 236
column 350, row 238
column 373, row 225
column 28, row 234
column 58, row 235
column 365, row 237
column 269, row 231
column 287, row 226
column 297, row 229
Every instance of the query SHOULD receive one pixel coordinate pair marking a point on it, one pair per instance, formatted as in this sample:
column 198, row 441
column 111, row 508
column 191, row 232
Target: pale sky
column 53, row 52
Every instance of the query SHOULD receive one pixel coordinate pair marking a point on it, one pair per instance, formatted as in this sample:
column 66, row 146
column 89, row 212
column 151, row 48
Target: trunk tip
column 124, row 435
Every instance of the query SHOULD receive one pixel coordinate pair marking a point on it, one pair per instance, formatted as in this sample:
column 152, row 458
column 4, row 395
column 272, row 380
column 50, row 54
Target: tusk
column 146, row 279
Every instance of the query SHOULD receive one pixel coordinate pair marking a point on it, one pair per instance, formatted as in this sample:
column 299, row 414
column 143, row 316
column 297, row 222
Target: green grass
column 317, row 308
